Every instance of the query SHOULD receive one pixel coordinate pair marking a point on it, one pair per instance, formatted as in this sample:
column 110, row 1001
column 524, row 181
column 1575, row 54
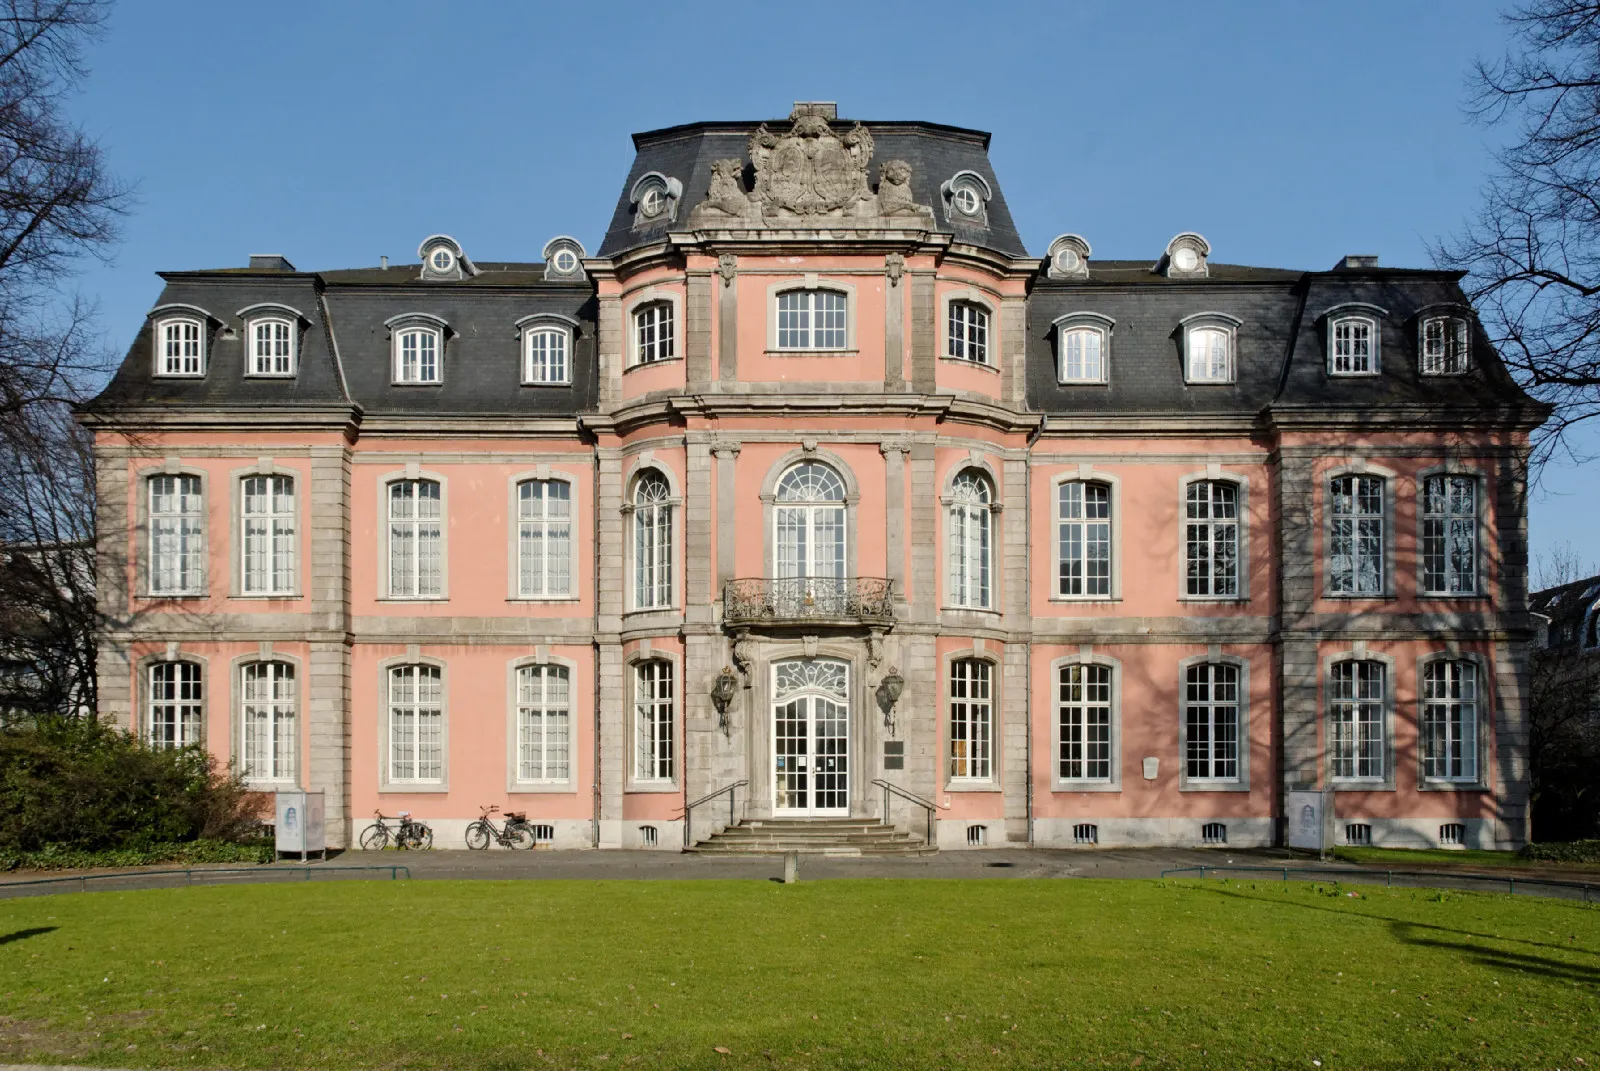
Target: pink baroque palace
column 813, row 510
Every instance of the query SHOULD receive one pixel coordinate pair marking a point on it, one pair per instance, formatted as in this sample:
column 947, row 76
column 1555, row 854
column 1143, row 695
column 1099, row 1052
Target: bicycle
column 411, row 833
column 516, row 833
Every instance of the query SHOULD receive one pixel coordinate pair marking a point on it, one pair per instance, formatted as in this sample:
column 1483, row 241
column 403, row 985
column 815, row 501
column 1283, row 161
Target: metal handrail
column 1510, row 880
column 189, row 873
column 688, row 817
column 930, row 808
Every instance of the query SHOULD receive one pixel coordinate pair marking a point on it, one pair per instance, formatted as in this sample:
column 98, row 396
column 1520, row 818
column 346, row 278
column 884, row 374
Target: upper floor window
column 1444, row 346
column 810, row 522
column 1450, row 535
column 1356, row 535
column 654, row 724
column 971, row 720
column 652, row 333
column 544, row 738
column 1083, row 712
column 1357, row 744
column 1355, row 347
column 1208, row 353
column 544, row 538
column 180, row 348
column 267, row 698
column 652, row 543
column 969, row 332
column 267, row 530
column 416, row 355
column 415, row 540
column 272, row 348
column 1081, row 349
column 416, row 724
column 1211, row 539
column 1211, row 722
column 971, row 504
column 546, row 354
column 1450, row 720
column 1083, row 539
column 175, row 716
column 177, row 535
column 812, row 320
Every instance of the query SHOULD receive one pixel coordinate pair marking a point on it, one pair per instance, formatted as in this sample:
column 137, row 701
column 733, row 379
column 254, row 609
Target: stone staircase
column 816, row 836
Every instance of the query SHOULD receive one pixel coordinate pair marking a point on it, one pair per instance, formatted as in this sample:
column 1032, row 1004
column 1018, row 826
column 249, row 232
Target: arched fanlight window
column 811, row 522
column 652, row 543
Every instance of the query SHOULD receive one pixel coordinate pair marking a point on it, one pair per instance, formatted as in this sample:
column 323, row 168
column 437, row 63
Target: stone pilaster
column 727, row 455
column 894, row 460
column 894, row 326
column 1296, row 658
column 924, row 515
column 697, row 331
column 608, row 351
column 113, row 541
column 1013, row 740
column 727, row 296
column 611, row 709
column 1015, row 737
column 1014, row 343
column 923, row 333
column 328, row 684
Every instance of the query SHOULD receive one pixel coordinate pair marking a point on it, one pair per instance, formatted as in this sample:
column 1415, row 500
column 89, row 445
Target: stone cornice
column 134, row 419
column 1523, row 417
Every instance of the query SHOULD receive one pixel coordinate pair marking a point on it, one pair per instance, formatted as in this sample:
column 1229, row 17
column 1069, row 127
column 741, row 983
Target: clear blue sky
column 1288, row 134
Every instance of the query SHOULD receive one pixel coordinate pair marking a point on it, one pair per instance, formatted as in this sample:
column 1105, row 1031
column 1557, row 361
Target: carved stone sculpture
column 811, row 171
column 894, row 265
column 728, row 268
column 726, row 196
column 894, row 190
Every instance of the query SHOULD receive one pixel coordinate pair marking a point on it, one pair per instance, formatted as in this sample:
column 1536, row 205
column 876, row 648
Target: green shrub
column 75, row 784
column 1575, row 851
column 55, row 857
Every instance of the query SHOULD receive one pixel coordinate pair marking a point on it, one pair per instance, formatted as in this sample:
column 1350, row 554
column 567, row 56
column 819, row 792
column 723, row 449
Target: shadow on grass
column 23, row 935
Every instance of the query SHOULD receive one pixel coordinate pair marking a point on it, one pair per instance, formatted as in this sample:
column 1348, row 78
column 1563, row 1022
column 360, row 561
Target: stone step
column 819, row 836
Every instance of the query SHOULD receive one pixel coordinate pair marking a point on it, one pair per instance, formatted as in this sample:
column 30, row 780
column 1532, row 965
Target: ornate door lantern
column 723, row 689
column 888, row 694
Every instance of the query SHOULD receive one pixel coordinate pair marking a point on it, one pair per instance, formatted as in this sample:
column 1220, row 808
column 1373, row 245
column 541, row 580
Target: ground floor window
column 1211, row 722
column 971, row 719
column 1450, row 721
column 267, row 692
column 416, row 724
column 543, row 718
column 653, row 721
column 175, row 714
column 1083, row 710
column 1356, row 745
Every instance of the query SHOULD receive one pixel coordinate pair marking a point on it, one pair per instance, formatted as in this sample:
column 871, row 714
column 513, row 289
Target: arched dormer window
column 547, row 342
column 815, row 319
column 181, row 336
column 272, row 339
column 1209, row 344
column 417, row 348
column 1354, row 340
column 1083, row 347
column 971, row 540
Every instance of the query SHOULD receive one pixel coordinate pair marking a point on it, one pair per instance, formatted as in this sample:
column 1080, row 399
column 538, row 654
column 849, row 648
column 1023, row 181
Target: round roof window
column 966, row 200
column 442, row 260
column 565, row 261
column 1185, row 259
column 651, row 202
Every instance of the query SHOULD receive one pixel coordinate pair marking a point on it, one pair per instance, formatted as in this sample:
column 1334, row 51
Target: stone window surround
column 1482, row 530
column 1358, row 652
column 544, row 321
column 412, row 471
column 272, row 312
column 996, row 508
column 413, row 657
column 408, row 321
column 980, row 652
column 646, row 461
column 1211, row 319
column 265, row 466
column 514, row 483
column 1085, row 656
column 1086, row 473
column 769, row 503
column 139, row 708
column 1075, row 321
column 1357, row 467
column 141, row 529
column 1216, row 473
column 541, row 657
column 1453, row 653
column 266, row 653
column 992, row 347
column 633, row 304
column 981, row 190
column 811, row 281
column 1241, row 783
column 1373, row 315
column 641, row 654
column 176, row 312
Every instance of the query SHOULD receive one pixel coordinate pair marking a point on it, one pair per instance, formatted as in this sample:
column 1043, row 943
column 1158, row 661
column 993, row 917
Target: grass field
column 878, row 974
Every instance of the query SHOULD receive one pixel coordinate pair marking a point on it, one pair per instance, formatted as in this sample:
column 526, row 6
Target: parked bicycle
column 516, row 833
column 410, row 833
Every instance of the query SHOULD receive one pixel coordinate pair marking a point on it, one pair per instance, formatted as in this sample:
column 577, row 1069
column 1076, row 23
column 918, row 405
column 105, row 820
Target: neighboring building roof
column 1573, row 610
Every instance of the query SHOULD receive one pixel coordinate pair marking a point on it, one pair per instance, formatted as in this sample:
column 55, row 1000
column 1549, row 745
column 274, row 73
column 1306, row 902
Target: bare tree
column 1532, row 252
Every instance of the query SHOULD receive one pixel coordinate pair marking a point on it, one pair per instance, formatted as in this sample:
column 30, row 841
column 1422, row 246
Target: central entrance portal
column 811, row 738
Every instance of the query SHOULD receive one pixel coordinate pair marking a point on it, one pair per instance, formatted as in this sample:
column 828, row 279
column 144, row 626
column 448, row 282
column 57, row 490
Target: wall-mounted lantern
column 723, row 690
column 888, row 694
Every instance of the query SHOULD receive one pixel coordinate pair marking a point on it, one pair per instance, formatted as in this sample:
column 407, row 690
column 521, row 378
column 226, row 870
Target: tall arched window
column 1211, row 539
column 1356, row 558
column 268, row 532
column 810, row 533
column 1083, row 539
column 1211, row 722
column 1357, row 740
column 267, row 694
column 175, row 716
column 544, row 538
column 652, row 543
column 971, row 503
column 1083, row 728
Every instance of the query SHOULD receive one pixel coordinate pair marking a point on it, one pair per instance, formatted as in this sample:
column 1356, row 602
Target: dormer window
column 180, row 346
column 442, row 260
column 1186, row 257
column 1083, row 347
column 417, row 348
column 969, row 332
column 1444, row 346
column 563, row 258
column 1355, row 347
column 966, row 197
column 546, row 350
column 1208, row 348
column 271, row 348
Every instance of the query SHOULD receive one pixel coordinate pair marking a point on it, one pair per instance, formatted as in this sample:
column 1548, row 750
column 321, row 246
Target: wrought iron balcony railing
column 778, row 600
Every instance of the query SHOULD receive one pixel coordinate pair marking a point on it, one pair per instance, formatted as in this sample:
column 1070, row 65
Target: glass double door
column 811, row 740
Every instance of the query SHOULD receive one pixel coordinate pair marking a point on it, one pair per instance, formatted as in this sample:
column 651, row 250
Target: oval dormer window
column 442, row 260
column 565, row 261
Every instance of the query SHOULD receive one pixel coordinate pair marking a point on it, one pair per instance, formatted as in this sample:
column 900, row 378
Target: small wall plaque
column 894, row 754
column 1152, row 766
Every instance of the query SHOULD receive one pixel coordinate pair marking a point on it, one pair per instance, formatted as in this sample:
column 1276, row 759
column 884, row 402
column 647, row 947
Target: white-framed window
column 416, row 542
column 177, row 535
column 1208, row 353
column 546, row 354
column 544, row 736
column 652, row 543
column 970, row 539
column 1450, row 720
column 175, row 716
column 1450, row 535
column 1444, row 346
column 416, row 355
column 1211, row 539
column 971, row 720
column 416, row 724
column 1083, row 716
column 272, row 347
column 1354, row 349
column 544, row 539
column 181, row 347
column 267, row 701
column 1083, row 539
column 1357, row 698
column 267, row 530
column 653, row 339
column 653, row 723
column 1082, row 355
column 1211, row 722
column 968, row 332
column 1356, row 535
column 813, row 320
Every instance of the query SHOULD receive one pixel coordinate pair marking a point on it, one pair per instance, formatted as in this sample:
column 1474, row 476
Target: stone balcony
column 776, row 601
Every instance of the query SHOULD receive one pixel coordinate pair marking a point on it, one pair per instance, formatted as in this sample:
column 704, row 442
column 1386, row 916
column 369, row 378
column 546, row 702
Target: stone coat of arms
column 811, row 171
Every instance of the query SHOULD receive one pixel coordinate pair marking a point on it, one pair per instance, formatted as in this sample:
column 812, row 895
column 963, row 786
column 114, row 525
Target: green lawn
column 1401, row 858
column 1007, row 973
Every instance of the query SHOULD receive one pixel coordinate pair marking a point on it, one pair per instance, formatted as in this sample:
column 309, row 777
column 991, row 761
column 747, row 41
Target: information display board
column 1309, row 818
column 299, row 827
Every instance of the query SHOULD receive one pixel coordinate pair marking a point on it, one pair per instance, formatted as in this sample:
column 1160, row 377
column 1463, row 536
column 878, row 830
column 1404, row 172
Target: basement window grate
column 1357, row 833
column 1214, row 833
column 1086, row 833
column 647, row 836
column 977, row 836
column 1452, row 834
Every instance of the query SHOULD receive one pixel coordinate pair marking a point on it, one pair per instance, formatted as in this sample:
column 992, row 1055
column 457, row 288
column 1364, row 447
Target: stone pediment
column 807, row 175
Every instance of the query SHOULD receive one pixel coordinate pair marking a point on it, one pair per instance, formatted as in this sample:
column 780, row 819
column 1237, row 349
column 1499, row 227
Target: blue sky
column 1288, row 134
